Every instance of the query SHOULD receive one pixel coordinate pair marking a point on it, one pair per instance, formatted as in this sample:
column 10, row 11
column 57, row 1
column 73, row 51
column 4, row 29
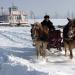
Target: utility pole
column 12, row 2
column 32, row 15
column 2, row 10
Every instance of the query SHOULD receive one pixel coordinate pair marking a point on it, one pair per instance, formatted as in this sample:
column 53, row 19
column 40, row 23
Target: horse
column 40, row 36
column 69, row 36
column 45, row 39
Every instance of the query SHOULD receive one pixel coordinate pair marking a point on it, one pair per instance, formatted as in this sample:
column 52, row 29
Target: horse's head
column 39, row 30
column 36, row 30
column 71, row 24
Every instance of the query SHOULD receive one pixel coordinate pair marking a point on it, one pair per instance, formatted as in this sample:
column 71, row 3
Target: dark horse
column 69, row 36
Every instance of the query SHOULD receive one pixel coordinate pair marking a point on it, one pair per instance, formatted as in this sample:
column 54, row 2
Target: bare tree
column 56, row 15
column 2, row 9
column 32, row 15
column 72, row 15
column 68, row 14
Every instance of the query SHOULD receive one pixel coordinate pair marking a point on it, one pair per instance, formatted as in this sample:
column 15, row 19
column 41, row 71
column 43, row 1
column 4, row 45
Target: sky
column 41, row 7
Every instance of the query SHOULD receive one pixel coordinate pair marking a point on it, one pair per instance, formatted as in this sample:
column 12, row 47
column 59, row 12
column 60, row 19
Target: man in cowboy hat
column 48, row 23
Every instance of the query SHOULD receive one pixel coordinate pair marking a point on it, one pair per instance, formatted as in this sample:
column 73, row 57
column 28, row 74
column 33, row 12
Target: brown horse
column 69, row 36
column 45, row 39
column 41, row 36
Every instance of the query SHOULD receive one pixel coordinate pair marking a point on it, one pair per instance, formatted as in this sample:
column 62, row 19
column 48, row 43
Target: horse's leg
column 37, row 53
column 48, row 47
column 38, row 48
column 43, row 50
column 65, row 45
column 59, row 47
column 65, row 51
column 70, row 49
column 44, row 47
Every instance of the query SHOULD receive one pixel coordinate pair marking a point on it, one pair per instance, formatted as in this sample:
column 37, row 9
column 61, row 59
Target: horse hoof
column 71, row 57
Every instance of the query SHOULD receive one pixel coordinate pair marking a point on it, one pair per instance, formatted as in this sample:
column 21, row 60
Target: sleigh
column 54, row 39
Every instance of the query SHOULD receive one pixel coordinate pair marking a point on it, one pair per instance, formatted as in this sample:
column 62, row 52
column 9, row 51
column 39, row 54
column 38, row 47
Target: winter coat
column 49, row 24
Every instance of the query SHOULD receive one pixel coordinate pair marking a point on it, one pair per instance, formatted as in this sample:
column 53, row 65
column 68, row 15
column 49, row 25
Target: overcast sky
column 40, row 7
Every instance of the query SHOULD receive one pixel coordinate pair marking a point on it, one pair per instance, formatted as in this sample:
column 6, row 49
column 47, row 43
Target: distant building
column 4, row 18
column 15, row 17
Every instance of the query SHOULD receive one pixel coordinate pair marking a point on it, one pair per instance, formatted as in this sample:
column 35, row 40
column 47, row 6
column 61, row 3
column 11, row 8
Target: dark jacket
column 49, row 24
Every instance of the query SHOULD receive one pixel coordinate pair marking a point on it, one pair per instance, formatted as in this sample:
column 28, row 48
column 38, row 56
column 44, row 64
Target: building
column 14, row 17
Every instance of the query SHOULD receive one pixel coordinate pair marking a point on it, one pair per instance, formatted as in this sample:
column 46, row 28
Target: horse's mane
column 68, row 27
column 40, row 29
column 43, row 28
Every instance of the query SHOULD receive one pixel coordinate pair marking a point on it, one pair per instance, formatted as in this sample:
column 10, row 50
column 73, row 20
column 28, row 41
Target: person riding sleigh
column 48, row 23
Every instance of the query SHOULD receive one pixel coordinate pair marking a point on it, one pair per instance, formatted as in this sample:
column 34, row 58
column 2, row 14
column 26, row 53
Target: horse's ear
column 69, row 19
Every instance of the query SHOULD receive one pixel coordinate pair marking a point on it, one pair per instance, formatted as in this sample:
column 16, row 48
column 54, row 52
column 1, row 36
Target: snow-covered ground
column 18, row 56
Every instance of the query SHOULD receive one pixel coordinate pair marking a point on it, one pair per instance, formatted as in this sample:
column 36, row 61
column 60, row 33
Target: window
column 19, row 17
column 25, row 16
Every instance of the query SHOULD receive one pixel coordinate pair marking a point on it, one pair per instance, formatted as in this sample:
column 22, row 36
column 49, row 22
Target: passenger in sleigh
column 48, row 23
